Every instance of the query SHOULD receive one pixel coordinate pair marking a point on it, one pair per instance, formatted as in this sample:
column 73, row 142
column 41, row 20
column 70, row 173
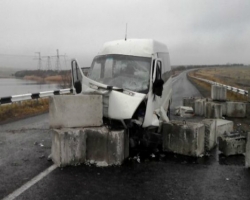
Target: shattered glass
column 123, row 71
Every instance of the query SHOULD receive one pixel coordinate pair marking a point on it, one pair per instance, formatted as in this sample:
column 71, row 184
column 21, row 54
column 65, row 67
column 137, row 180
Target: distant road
column 182, row 88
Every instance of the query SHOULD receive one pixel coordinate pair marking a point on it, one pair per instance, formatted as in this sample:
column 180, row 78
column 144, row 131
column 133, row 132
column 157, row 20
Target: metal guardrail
column 22, row 97
column 233, row 89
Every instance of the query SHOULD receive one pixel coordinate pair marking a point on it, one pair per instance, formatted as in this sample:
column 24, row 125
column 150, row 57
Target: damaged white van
column 134, row 77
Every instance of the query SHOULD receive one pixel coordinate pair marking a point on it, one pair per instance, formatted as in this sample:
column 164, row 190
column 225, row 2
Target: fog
column 196, row 32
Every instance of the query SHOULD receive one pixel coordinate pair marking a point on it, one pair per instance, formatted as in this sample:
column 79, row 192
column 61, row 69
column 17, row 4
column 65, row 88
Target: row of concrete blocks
column 194, row 139
column 96, row 145
column 212, row 109
column 219, row 93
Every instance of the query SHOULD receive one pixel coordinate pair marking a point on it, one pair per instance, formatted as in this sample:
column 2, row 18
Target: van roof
column 134, row 47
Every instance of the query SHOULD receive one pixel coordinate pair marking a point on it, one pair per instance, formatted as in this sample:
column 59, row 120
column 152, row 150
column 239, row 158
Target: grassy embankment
column 19, row 110
column 234, row 76
column 57, row 78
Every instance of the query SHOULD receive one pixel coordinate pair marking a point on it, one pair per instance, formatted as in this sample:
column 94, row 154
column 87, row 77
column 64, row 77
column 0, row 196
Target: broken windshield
column 123, row 71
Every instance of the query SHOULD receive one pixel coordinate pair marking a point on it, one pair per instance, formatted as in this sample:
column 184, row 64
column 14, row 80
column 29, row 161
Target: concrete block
column 200, row 107
column 71, row 111
column 232, row 145
column 68, row 147
column 247, row 155
column 210, row 133
column 213, row 110
column 224, row 108
column 97, row 145
column 217, row 111
column 236, row 109
column 218, row 93
column 223, row 126
column 183, row 139
column 118, row 147
column 208, row 110
column 105, row 147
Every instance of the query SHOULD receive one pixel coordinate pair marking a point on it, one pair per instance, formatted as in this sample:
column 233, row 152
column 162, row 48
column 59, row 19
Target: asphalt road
column 25, row 145
column 182, row 88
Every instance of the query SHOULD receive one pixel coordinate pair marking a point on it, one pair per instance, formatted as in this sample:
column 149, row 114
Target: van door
column 154, row 95
column 77, row 75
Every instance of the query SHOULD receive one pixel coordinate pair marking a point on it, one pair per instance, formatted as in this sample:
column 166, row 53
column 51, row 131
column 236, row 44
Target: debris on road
column 184, row 111
column 42, row 156
column 232, row 143
column 41, row 145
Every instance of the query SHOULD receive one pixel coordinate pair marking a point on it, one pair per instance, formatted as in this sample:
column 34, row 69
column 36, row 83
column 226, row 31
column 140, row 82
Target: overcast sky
column 195, row 31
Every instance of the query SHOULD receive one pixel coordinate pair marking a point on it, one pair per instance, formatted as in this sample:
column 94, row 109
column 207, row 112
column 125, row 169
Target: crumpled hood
column 116, row 104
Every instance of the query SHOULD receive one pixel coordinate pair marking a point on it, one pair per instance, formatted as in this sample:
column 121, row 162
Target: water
column 13, row 86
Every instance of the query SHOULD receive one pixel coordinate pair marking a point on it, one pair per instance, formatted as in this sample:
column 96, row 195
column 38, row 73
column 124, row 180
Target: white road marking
column 30, row 183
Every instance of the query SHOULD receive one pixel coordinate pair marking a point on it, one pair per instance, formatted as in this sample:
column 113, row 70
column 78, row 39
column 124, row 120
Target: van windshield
column 123, row 71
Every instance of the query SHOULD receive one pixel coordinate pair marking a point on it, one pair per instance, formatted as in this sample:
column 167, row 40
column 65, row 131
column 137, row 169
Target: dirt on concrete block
column 184, row 138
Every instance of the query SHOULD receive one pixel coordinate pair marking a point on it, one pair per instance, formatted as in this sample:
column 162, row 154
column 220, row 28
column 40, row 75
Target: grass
column 234, row 76
column 205, row 88
column 19, row 110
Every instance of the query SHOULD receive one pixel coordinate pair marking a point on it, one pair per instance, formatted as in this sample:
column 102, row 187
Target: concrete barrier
column 218, row 93
column 247, row 155
column 184, row 139
column 236, row 109
column 106, row 147
column 217, row 111
column 118, row 147
column 68, row 147
column 232, row 145
column 73, row 111
column 223, row 107
column 208, row 110
column 96, row 145
column 210, row 133
column 200, row 107
column 213, row 110
column 223, row 126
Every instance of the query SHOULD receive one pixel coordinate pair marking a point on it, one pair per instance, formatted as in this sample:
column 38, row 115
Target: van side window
column 77, row 76
column 96, row 71
column 166, row 68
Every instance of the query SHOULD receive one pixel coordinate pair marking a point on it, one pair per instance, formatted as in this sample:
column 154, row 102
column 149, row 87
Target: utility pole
column 48, row 62
column 58, row 64
column 39, row 67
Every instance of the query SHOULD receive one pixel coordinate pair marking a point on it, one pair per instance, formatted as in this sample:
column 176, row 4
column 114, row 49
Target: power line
column 16, row 55
column 48, row 62
column 39, row 60
column 58, row 64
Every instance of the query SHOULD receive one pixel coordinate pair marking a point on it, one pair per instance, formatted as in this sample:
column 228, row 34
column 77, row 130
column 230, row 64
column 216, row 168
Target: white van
column 134, row 77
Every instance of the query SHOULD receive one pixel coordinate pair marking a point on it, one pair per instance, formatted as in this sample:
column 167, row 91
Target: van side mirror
column 158, row 82
column 78, row 86
column 76, row 76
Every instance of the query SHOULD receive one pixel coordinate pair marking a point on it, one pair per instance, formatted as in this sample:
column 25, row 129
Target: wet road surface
column 182, row 88
column 24, row 147
column 166, row 176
